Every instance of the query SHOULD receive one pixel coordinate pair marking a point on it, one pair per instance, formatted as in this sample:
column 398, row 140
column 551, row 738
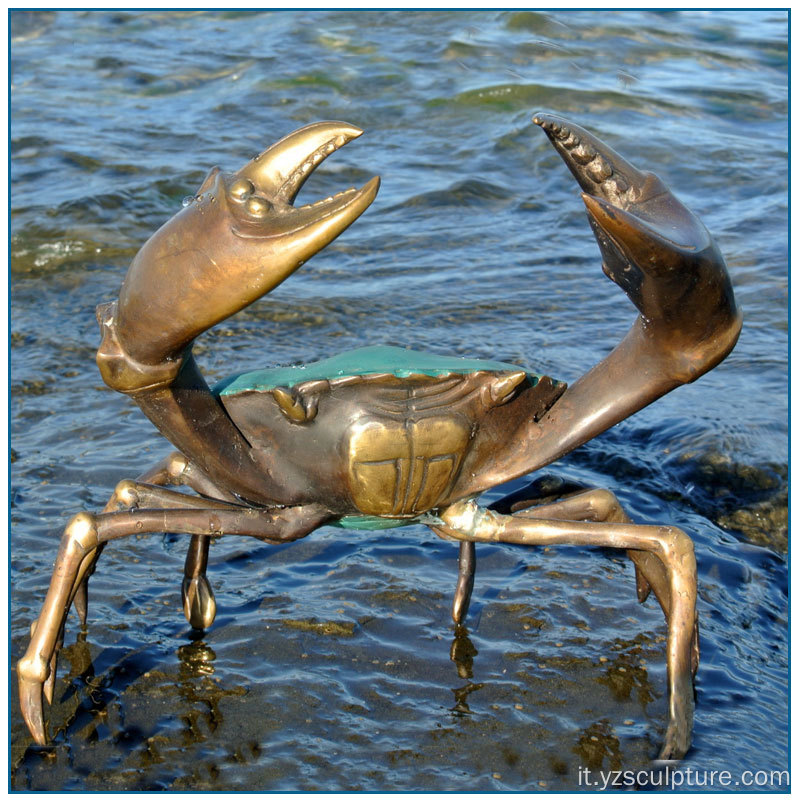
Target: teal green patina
column 368, row 523
column 363, row 361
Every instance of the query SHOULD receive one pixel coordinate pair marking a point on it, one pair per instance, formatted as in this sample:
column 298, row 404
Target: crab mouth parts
column 262, row 193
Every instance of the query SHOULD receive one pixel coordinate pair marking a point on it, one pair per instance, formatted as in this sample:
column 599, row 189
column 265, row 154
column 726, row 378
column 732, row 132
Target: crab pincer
column 236, row 239
column 657, row 251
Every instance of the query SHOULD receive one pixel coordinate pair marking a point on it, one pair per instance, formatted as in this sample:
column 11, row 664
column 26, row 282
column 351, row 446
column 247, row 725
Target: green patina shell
column 365, row 522
column 378, row 359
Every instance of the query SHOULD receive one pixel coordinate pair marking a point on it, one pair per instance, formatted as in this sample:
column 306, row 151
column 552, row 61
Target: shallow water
column 333, row 663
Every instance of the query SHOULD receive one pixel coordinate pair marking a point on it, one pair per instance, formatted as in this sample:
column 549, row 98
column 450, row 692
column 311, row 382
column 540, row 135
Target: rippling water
column 332, row 664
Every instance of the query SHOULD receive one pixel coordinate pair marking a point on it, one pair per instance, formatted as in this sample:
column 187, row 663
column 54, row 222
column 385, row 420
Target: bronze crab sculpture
column 384, row 437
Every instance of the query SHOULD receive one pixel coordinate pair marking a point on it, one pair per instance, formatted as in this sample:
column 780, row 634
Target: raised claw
column 596, row 167
column 236, row 239
column 660, row 254
column 656, row 250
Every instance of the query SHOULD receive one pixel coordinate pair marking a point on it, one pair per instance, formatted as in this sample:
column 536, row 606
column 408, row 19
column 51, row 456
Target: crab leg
column 549, row 498
column 466, row 521
column 86, row 532
column 544, row 500
column 199, row 605
column 177, row 470
column 466, row 580
column 601, row 505
column 663, row 258
column 174, row 470
column 538, row 491
column 127, row 495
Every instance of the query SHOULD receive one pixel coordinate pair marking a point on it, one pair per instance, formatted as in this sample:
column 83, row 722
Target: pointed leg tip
column 642, row 586
column 81, row 601
column 677, row 742
column 695, row 657
column 49, row 686
column 30, row 700
column 199, row 605
column 461, row 602
column 49, row 683
column 671, row 754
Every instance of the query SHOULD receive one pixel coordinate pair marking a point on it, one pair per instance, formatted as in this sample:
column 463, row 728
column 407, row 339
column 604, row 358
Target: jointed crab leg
column 601, row 505
column 466, row 552
column 174, row 470
column 466, row 521
column 199, row 605
column 577, row 504
column 86, row 532
column 127, row 495
column 466, row 580
column 177, row 470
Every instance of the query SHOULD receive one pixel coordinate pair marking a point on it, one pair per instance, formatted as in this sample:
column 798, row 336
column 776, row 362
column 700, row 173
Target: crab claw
column 234, row 241
column 656, row 250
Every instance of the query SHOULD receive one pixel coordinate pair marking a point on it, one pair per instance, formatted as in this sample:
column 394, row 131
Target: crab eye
column 241, row 189
column 257, row 206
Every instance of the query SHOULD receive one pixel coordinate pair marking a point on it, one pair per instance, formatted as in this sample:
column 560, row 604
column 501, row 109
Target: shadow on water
column 333, row 663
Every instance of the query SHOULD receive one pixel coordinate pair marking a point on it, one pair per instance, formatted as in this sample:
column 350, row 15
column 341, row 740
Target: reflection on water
column 599, row 748
column 333, row 664
column 462, row 652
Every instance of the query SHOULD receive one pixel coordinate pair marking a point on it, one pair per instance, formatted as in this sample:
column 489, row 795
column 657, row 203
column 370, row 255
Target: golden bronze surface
column 402, row 469
column 406, row 436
